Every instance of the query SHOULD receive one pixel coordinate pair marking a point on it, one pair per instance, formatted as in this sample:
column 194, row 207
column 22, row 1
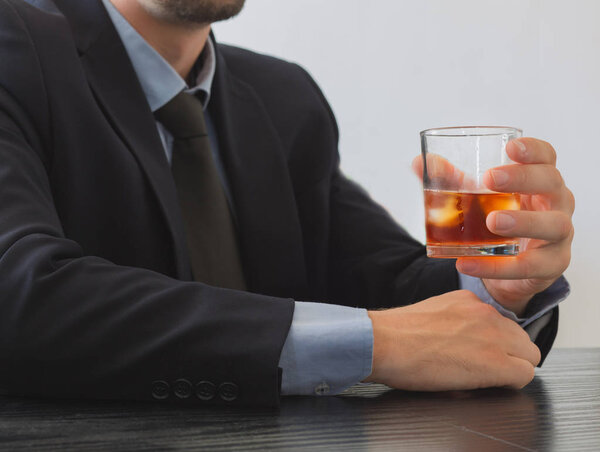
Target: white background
column 391, row 68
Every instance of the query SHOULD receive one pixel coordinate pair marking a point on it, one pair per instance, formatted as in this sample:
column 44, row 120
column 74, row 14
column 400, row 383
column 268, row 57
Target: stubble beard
column 193, row 12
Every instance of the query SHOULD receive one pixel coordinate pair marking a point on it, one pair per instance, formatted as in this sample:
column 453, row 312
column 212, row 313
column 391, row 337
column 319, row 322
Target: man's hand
column 544, row 221
column 450, row 342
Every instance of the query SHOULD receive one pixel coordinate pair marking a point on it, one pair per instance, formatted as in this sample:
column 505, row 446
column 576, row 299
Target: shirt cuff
column 328, row 349
column 539, row 305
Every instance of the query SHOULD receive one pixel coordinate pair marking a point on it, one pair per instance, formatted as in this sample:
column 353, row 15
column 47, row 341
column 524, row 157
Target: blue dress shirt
column 328, row 347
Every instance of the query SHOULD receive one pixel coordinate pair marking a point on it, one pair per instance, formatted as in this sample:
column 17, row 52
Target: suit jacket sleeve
column 74, row 325
column 374, row 263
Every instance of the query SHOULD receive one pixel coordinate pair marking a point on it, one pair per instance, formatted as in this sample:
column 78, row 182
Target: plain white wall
column 391, row 68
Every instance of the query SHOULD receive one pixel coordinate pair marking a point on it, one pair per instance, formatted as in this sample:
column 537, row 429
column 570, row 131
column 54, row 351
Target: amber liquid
column 458, row 219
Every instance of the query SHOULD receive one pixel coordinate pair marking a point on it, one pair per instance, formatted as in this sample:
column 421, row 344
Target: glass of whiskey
column 454, row 161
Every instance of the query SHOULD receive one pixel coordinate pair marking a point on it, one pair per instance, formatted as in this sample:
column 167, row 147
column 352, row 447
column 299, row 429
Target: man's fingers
column 517, row 342
column 528, row 179
column 533, row 179
column 530, row 352
column 545, row 263
column 550, row 225
column 441, row 173
column 531, row 150
column 437, row 166
column 518, row 373
column 417, row 166
column 541, row 157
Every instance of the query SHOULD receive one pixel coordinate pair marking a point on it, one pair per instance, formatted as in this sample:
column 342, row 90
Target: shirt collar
column 160, row 82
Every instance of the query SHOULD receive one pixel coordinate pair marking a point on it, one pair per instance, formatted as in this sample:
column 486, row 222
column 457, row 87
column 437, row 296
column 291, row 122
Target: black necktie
column 211, row 237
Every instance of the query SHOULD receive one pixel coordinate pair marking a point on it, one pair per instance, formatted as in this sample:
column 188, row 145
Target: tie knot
column 183, row 116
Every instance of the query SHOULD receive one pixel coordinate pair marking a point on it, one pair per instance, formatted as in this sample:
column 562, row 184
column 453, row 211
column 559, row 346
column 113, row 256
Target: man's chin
column 193, row 12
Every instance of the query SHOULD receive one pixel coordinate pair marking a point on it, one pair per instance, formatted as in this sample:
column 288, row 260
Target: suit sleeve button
column 322, row 389
column 182, row 389
column 205, row 390
column 228, row 391
column 160, row 389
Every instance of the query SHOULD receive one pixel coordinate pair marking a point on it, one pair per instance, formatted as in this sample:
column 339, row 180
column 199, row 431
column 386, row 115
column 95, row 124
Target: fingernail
column 468, row 266
column 504, row 222
column 500, row 177
column 522, row 148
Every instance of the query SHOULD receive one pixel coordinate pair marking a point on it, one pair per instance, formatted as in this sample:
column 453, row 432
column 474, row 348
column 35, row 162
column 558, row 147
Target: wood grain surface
column 559, row 410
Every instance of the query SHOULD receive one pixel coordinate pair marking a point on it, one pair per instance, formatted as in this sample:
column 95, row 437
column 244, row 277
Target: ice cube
column 448, row 215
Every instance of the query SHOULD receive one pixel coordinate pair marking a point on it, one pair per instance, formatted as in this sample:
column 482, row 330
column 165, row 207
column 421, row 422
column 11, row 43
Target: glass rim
column 470, row 131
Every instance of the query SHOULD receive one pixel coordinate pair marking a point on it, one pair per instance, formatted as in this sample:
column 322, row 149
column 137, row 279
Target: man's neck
column 179, row 45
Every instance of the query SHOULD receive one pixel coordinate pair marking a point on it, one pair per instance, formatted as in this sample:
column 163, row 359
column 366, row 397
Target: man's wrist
column 508, row 301
column 377, row 349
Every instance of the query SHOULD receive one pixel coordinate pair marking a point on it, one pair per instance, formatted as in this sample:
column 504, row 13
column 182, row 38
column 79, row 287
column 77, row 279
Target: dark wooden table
column 559, row 410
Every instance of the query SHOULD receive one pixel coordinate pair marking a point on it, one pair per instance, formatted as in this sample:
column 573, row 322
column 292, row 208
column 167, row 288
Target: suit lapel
column 117, row 89
column 269, row 228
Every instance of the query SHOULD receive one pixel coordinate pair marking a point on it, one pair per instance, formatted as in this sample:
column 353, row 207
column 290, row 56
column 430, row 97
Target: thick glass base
column 453, row 251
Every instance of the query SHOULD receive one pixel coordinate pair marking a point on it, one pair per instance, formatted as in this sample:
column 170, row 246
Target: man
column 174, row 226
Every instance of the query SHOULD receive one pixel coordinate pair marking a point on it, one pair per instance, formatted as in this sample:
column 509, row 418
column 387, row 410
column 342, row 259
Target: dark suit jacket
column 96, row 294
